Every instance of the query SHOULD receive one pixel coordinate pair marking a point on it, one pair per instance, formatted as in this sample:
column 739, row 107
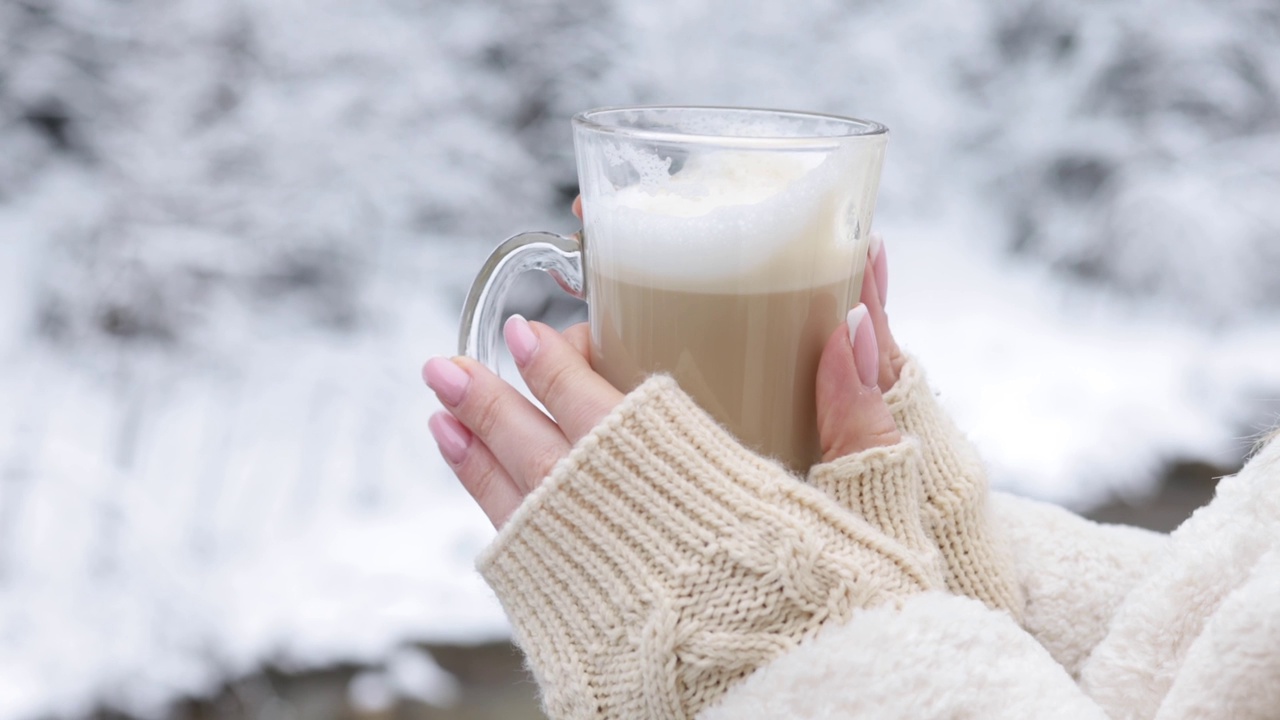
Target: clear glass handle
column 558, row 255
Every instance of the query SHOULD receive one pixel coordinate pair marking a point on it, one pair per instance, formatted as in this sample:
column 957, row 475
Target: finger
column 852, row 415
column 481, row 474
column 577, row 206
column 891, row 356
column 558, row 374
column 579, row 337
column 526, row 443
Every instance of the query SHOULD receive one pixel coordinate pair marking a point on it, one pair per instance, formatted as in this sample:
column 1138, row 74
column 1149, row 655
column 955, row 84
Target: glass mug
column 720, row 245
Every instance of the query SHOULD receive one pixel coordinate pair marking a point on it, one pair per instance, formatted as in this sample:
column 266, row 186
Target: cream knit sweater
column 661, row 562
column 664, row 571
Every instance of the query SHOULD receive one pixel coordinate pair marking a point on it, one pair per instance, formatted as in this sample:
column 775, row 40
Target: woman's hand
column 501, row 446
column 498, row 443
column 860, row 363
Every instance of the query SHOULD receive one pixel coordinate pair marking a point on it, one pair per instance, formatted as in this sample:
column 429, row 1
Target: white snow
column 181, row 525
column 218, row 284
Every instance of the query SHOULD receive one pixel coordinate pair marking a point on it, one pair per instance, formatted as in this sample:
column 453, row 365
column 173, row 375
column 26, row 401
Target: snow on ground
column 231, row 233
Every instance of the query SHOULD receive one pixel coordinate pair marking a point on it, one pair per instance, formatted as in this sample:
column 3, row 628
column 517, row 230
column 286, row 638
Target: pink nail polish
column 880, row 266
column 521, row 339
column 447, row 379
column 452, row 436
column 866, row 351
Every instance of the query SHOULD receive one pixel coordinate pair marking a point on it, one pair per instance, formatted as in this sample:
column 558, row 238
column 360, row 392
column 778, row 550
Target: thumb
column 852, row 415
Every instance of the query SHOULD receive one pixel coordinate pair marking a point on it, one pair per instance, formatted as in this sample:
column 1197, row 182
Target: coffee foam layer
column 731, row 221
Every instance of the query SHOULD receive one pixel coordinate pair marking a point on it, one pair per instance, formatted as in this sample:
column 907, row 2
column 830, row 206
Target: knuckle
column 579, row 336
column 882, row 436
column 478, row 479
column 556, row 381
column 542, row 461
column 485, row 415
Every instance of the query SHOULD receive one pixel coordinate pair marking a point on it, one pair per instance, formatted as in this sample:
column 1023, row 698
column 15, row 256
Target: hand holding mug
column 501, row 446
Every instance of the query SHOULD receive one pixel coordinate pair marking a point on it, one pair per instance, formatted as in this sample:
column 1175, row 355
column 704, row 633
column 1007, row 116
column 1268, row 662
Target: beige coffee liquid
column 749, row 359
column 729, row 274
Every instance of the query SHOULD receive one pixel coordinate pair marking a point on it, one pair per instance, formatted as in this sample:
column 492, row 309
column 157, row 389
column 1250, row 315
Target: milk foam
column 732, row 221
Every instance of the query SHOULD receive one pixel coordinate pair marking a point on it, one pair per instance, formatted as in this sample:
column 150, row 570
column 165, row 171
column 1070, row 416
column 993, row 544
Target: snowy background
column 231, row 232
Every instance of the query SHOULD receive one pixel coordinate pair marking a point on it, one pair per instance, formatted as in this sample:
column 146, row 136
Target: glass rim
column 859, row 128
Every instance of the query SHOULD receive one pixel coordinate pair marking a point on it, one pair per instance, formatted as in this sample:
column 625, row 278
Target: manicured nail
column 866, row 353
column 452, row 436
column 447, row 379
column 880, row 266
column 520, row 339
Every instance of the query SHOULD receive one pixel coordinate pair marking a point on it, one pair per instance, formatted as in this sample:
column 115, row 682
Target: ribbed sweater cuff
column 911, row 400
column 950, row 461
column 954, row 497
column 661, row 561
column 882, row 486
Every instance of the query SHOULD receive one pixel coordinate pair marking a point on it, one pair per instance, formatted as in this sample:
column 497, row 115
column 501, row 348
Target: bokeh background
column 231, row 232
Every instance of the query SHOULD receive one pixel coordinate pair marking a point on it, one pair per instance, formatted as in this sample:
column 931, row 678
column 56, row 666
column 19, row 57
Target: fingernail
column 452, row 437
column 447, row 379
column 866, row 353
column 520, row 339
column 880, row 266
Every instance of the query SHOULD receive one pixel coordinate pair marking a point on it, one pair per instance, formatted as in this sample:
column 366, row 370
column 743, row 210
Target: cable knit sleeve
column 954, row 497
column 661, row 562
